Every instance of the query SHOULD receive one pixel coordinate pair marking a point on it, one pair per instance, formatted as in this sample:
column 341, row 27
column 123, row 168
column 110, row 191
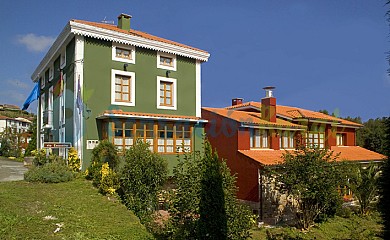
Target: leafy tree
column 212, row 221
column 310, row 177
column 363, row 181
column 32, row 145
column 372, row 135
column 141, row 177
column 104, row 152
column 197, row 176
column 9, row 143
column 384, row 186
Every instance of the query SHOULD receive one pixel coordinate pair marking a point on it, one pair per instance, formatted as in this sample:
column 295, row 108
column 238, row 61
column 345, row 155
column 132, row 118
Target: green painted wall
column 97, row 86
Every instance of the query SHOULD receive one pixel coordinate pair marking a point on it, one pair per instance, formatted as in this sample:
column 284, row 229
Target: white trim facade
column 198, row 89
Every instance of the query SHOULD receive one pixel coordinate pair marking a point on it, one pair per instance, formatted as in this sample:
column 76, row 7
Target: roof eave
column 110, row 35
column 54, row 49
column 112, row 115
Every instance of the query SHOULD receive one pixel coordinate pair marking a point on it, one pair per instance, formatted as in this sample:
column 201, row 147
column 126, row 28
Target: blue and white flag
column 32, row 97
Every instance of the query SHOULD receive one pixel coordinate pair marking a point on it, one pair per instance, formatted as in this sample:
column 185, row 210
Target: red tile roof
column 120, row 112
column 251, row 118
column 347, row 153
column 356, row 153
column 294, row 113
column 135, row 33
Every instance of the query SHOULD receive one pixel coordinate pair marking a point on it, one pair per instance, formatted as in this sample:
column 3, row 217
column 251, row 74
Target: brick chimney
column 124, row 21
column 268, row 105
column 237, row 101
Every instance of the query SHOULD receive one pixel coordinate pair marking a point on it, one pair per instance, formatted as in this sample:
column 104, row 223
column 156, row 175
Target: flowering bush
column 109, row 181
column 73, row 160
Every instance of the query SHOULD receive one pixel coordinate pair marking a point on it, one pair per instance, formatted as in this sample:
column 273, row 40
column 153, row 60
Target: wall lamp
column 125, row 66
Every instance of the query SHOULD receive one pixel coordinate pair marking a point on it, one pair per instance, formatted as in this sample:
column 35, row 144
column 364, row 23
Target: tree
column 363, row 181
column 310, row 177
column 141, row 177
column 212, row 221
column 32, row 145
column 372, row 135
column 199, row 180
column 384, row 185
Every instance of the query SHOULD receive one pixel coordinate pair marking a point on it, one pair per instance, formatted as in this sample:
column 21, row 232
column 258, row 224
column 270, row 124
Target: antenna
column 107, row 21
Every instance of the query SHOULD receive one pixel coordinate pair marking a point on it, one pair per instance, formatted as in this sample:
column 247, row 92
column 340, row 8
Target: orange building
column 252, row 135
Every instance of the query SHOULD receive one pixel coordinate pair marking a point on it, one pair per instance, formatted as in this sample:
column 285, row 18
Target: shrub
column 73, row 160
column 109, row 181
column 105, row 152
column 52, row 172
column 39, row 157
column 142, row 176
column 194, row 175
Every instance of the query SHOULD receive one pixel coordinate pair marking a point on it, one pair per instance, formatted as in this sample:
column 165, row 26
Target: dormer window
column 123, row 53
column 166, row 61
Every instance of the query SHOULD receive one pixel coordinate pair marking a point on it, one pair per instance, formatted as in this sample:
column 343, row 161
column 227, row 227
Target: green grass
column 353, row 227
column 84, row 213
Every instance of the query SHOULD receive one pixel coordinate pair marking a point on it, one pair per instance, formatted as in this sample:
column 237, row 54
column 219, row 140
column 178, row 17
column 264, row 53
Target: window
column 123, row 53
column 51, row 73
column 315, row 139
column 62, row 104
column 286, row 140
column 166, row 93
column 340, row 139
column 42, row 82
column 122, row 88
column 63, row 59
column 259, row 138
column 166, row 61
column 163, row 137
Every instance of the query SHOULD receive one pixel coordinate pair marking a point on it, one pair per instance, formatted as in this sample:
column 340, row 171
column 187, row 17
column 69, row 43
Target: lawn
column 75, row 209
column 353, row 227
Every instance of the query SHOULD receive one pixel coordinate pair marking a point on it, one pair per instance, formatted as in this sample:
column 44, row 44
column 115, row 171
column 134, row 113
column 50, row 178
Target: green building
column 103, row 81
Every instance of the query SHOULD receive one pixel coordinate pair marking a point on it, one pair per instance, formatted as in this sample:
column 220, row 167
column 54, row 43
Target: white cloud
column 34, row 42
column 18, row 84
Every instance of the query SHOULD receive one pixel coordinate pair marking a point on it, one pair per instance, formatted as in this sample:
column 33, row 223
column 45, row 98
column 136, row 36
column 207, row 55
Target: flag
column 59, row 87
column 32, row 97
column 79, row 100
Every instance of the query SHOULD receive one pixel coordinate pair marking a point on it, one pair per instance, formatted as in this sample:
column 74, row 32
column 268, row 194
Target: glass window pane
column 117, row 88
column 126, row 81
column 125, row 89
column 168, row 100
column 118, row 79
column 125, row 97
column 117, row 96
column 168, row 86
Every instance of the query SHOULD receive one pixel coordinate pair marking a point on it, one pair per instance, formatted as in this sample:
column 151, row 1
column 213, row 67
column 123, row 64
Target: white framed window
column 286, row 140
column 123, row 53
column 259, row 138
column 42, row 81
column 340, row 139
column 166, row 61
column 51, row 73
column 43, row 108
column 315, row 140
column 63, row 59
column 122, row 88
column 62, row 116
column 50, row 107
column 166, row 93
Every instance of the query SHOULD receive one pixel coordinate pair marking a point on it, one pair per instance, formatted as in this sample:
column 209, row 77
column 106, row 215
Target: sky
column 318, row 54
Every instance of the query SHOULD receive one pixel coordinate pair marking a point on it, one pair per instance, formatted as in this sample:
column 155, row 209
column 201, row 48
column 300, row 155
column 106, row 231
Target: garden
column 130, row 195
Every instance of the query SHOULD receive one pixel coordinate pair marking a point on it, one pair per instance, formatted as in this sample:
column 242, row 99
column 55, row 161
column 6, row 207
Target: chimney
column 236, row 101
column 268, row 105
column 124, row 21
